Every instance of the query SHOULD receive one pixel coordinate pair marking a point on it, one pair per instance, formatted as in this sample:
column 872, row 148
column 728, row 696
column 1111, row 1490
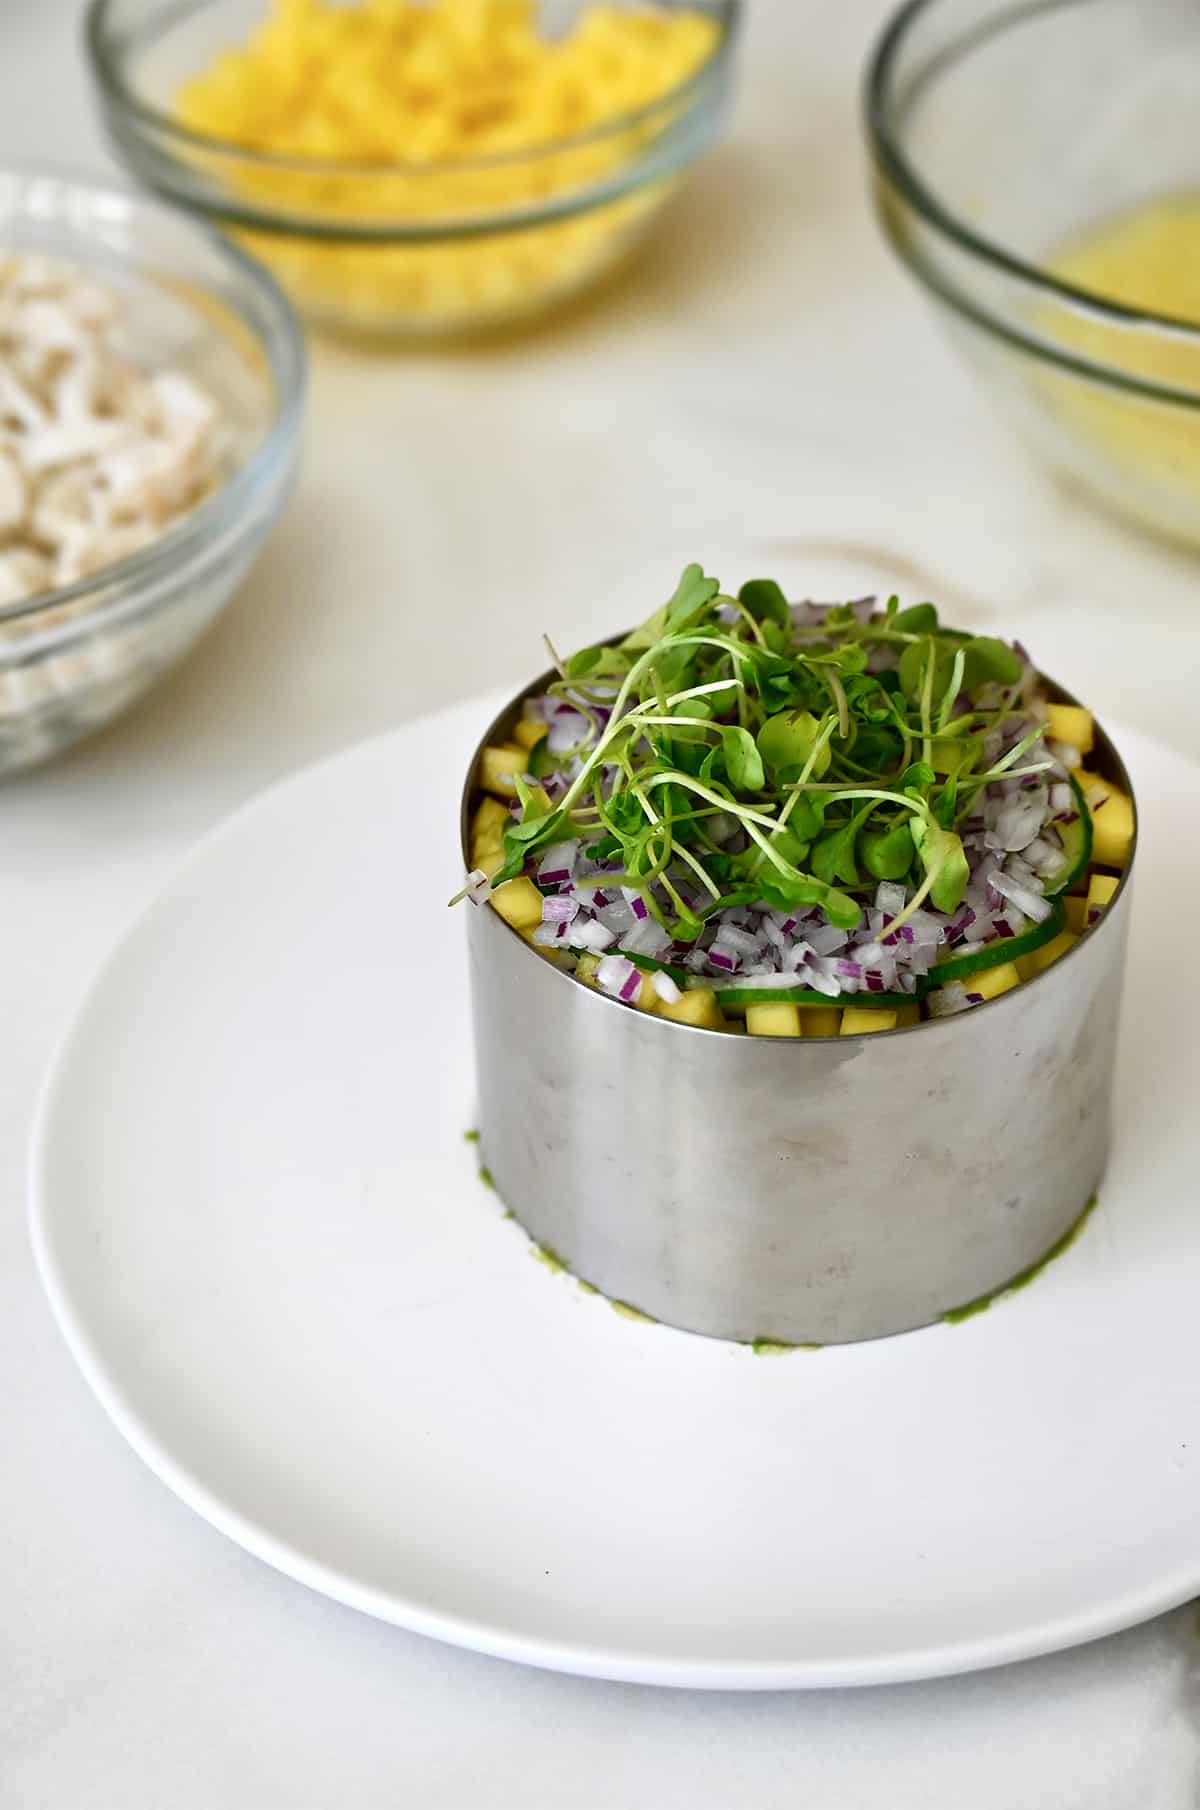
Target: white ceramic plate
column 263, row 1235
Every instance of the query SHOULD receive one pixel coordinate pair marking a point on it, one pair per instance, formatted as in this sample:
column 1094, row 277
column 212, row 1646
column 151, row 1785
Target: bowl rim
column 885, row 141
column 471, row 791
column 109, row 69
column 282, row 344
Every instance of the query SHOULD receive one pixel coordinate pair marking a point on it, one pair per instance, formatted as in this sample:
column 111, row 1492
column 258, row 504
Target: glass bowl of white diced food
column 151, row 391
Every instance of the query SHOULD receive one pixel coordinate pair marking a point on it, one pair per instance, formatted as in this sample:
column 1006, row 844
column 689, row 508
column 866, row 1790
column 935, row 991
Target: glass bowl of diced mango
column 415, row 167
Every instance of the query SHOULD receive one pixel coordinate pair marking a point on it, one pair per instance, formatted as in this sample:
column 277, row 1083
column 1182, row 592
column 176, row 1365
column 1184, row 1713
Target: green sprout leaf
column 766, row 602
column 887, row 854
column 732, row 757
column 919, row 619
column 786, row 741
column 743, row 762
column 988, row 660
column 940, row 852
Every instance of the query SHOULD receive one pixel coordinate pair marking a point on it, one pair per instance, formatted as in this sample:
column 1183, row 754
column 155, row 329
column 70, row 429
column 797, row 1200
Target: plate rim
column 892, row 1666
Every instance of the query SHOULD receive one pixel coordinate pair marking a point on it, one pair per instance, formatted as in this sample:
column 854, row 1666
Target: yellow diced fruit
column 487, row 860
column 490, row 820
column 1076, row 909
column 1112, row 830
column 558, row 958
column 519, row 903
column 906, row 1015
column 858, row 1020
column 697, row 1006
column 1072, row 724
column 1101, row 888
column 820, row 1021
column 497, row 767
column 585, row 969
column 647, row 996
column 989, row 983
column 773, row 1019
column 529, row 732
column 1093, row 786
column 1037, row 959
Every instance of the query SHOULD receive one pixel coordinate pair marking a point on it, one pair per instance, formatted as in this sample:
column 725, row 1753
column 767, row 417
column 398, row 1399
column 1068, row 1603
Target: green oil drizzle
column 1026, row 1276
column 486, row 1177
column 545, row 1253
column 628, row 1312
column 777, row 1347
column 470, row 1137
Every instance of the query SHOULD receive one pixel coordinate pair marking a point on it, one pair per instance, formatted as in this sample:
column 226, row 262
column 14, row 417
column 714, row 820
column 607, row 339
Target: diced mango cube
column 906, row 1015
column 497, row 767
column 519, row 903
column 529, row 732
column 697, row 1006
column 585, row 969
column 1076, row 910
column 1101, row 888
column 989, row 983
column 858, row 1020
column 820, row 1021
column 1072, row 724
column 1037, row 959
column 1112, row 830
column 647, row 999
column 1093, row 786
column 488, row 860
column 491, row 818
column 773, row 1019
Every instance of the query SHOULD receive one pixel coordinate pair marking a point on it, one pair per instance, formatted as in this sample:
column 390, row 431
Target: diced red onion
column 945, row 1001
column 1023, row 897
column 615, row 974
column 559, row 909
column 740, row 941
column 594, row 936
column 1065, row 754
column 557, row 862
column 825, row 939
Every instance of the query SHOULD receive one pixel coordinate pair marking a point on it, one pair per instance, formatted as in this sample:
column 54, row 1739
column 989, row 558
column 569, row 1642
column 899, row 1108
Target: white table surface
column 765, row 379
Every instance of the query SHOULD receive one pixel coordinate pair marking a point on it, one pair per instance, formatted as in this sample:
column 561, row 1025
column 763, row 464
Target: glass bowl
column 70, row 659
column 1002, row 132
column 415, row 249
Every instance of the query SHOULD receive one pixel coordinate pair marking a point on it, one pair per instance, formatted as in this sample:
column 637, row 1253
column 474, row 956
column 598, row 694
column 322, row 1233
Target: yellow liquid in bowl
column 1148, row 258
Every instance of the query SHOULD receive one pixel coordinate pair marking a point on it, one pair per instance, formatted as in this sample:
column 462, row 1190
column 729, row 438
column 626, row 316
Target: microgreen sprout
column 787, row 756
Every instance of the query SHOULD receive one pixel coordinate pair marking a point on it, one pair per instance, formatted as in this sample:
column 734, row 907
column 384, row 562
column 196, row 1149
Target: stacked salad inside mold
column 789, row 818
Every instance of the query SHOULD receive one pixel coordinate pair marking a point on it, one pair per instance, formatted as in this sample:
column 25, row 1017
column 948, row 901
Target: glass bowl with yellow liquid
column 417, row 167
column 1037, row 167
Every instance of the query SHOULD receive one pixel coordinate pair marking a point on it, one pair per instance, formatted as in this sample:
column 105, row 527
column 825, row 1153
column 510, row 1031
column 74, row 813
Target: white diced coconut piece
column 23, row 573
column 14, row 494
